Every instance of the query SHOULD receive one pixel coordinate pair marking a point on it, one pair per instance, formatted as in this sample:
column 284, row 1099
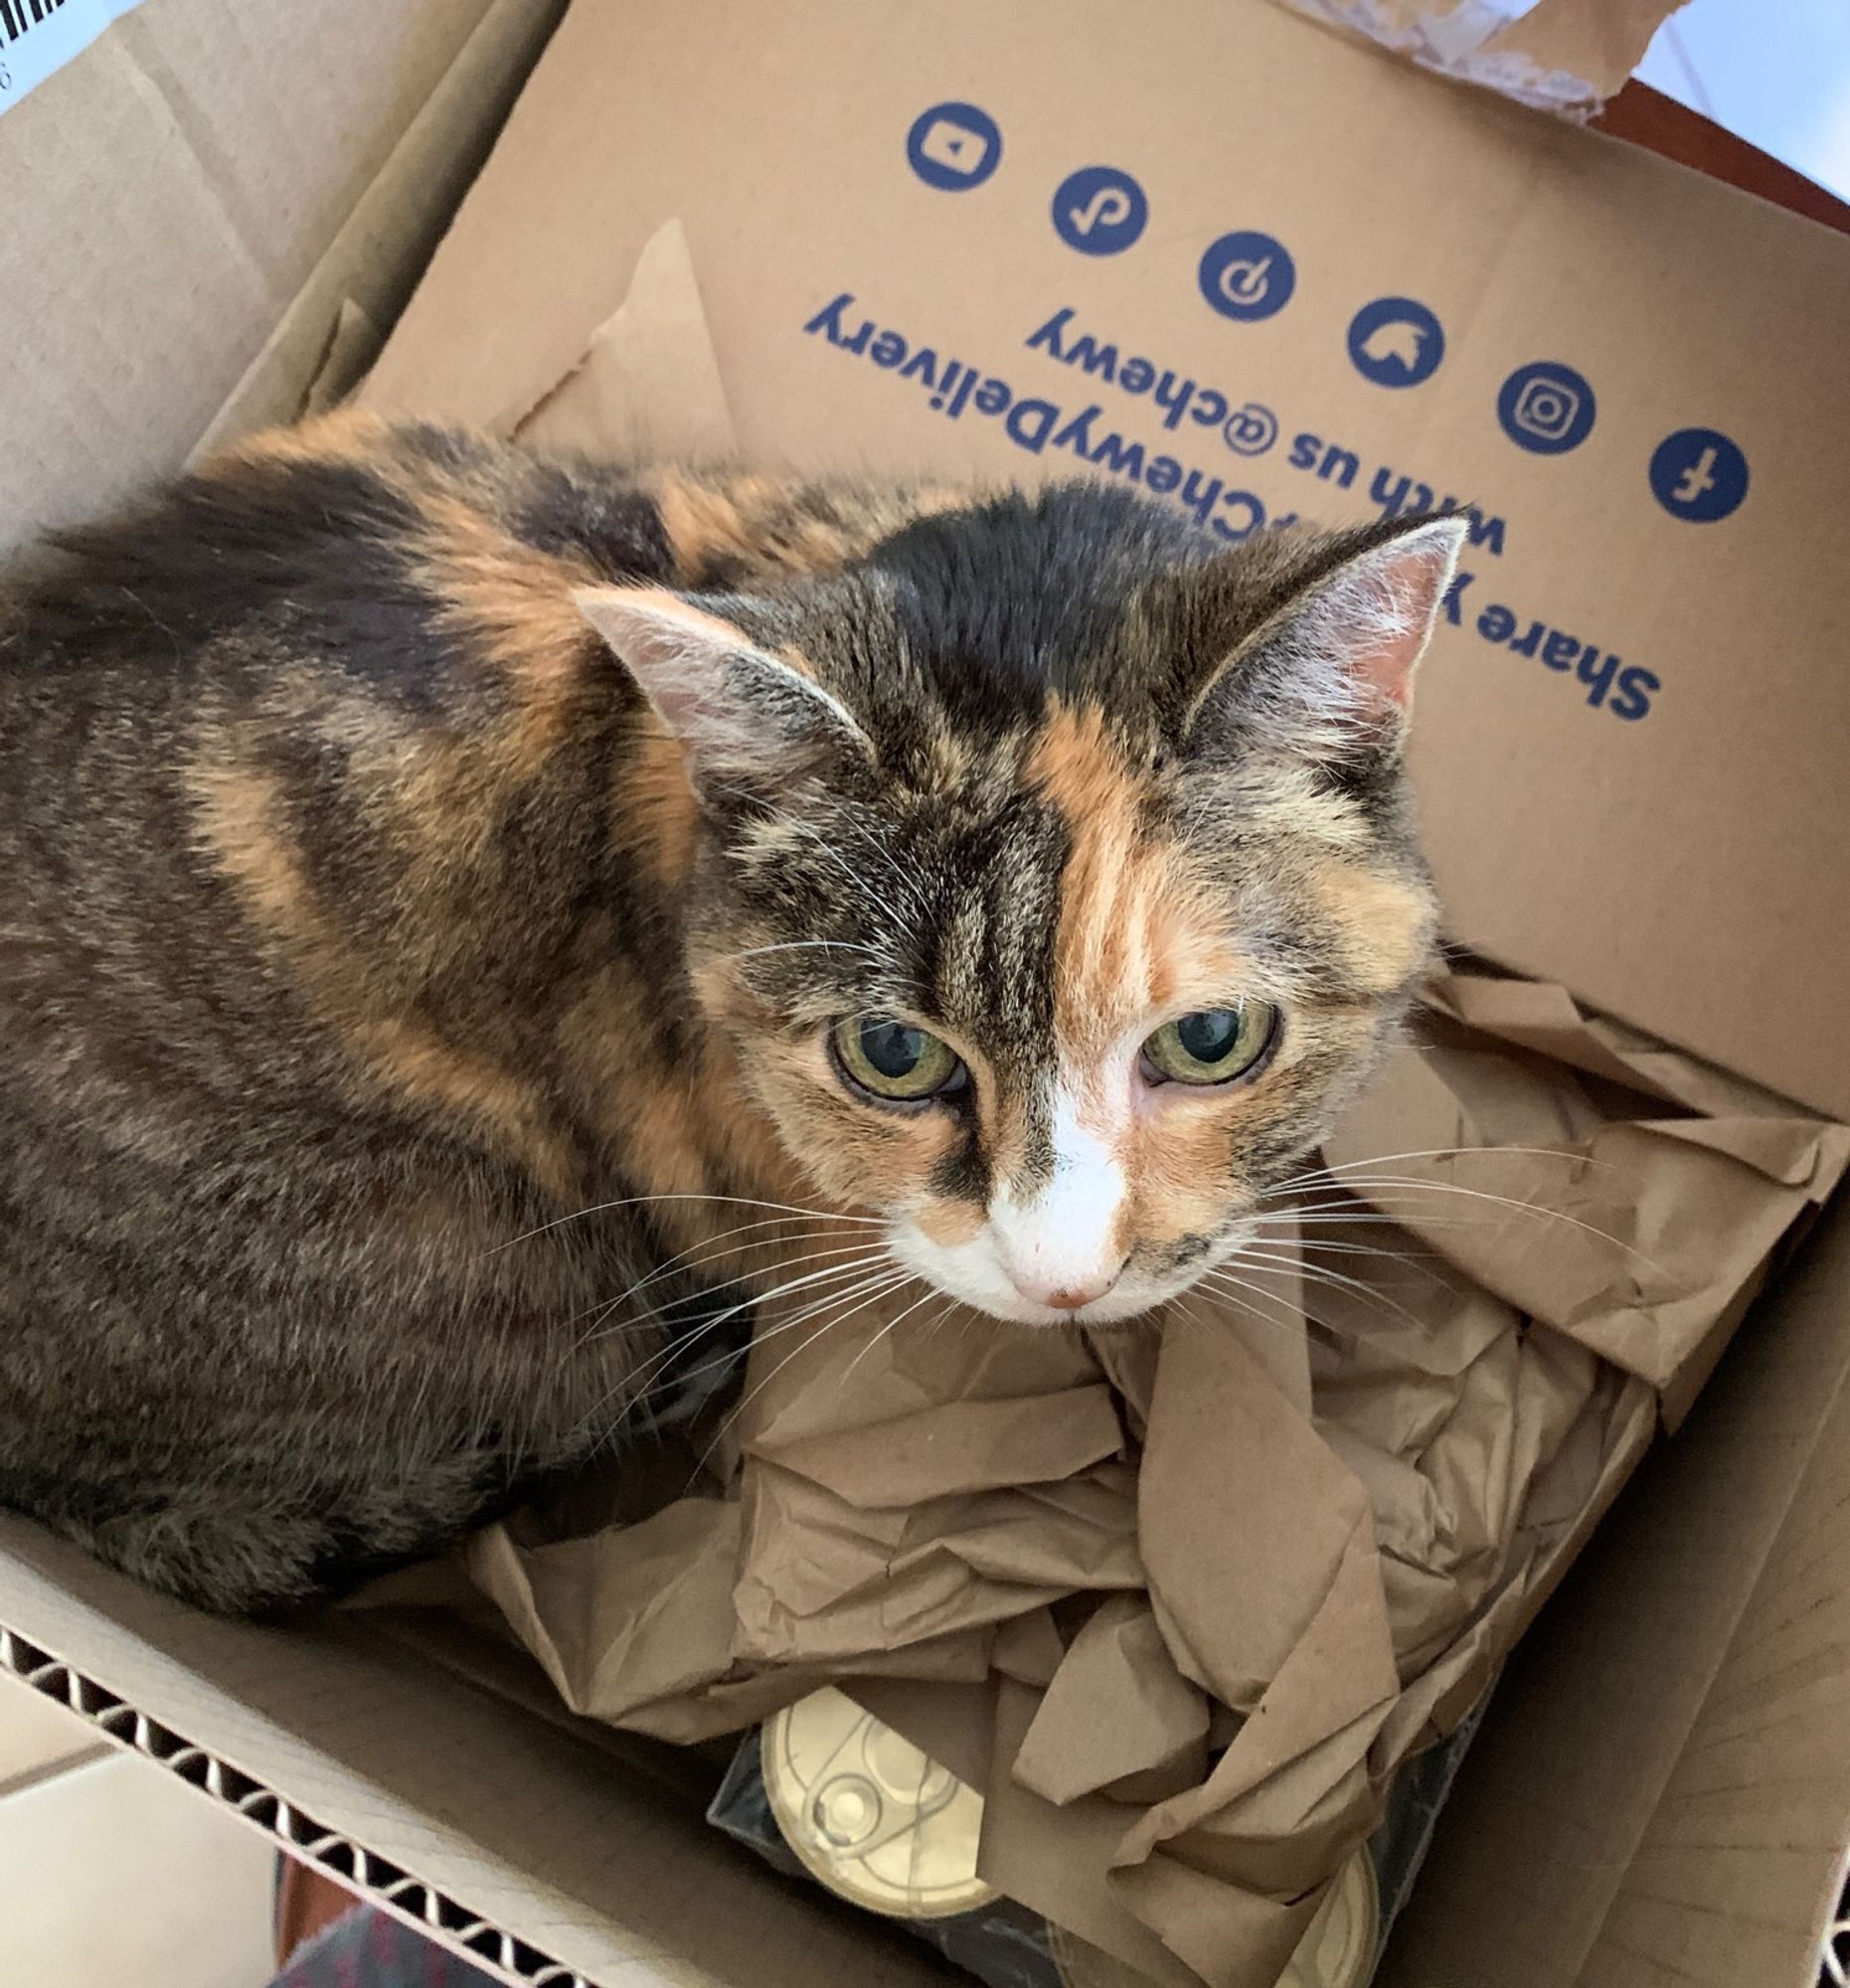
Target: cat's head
column 1057, row 883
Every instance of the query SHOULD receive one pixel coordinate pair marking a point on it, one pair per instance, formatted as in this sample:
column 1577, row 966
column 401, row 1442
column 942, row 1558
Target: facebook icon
column 1699, row 474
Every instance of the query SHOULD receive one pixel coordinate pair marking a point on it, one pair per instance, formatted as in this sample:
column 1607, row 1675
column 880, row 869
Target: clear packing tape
column 1182, row 1603
column 1560, row 56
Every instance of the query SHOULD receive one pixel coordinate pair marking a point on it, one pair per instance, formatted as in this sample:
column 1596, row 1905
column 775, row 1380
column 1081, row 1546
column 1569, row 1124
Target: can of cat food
column 871, row 1816
column 1338, row 1949
column 885, row 1826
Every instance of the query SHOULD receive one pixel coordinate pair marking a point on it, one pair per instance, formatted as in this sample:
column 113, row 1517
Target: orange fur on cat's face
column 1122, row 832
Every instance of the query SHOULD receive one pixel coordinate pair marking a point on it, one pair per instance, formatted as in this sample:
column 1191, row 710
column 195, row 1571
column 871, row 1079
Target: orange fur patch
column 513, row 608
column 654, row 811
column 763, row 527
column 1134, row 933
column 347, row 435
column 1385, row 923
column 240, row 819
column 418, row 1064
column 681, row 1128
column 1137, row 941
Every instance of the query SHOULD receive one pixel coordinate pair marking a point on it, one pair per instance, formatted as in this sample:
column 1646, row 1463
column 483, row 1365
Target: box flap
column 1631, row 732
column 1563, row 55
column 170, row 191
column 1664, row 1792
column 474, row 1817
column 331, row 328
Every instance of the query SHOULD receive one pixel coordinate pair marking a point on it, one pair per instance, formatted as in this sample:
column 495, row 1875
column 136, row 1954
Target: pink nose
column 1069, row 1297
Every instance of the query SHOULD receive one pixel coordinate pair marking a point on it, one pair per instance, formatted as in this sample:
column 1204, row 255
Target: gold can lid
column 1336, row 1952
column 870, row 1815
column 1338, row 1946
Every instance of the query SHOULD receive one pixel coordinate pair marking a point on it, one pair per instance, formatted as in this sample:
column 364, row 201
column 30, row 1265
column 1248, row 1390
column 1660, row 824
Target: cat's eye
column 893, row 1059
column 1213, row 1044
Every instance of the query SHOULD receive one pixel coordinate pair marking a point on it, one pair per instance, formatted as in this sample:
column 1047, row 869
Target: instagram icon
column 1546, row 408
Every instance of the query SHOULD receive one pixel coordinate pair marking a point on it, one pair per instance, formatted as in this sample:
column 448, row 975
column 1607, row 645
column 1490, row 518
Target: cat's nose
column 1068, row 1296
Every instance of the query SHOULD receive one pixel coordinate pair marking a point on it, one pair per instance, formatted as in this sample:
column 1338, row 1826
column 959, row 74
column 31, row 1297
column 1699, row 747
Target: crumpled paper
column 1181, row 1598
column 1566, row 57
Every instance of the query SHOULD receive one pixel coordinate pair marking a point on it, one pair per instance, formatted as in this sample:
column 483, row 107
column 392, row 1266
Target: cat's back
column 309, row 897
column 219, row 708
column 295, row 764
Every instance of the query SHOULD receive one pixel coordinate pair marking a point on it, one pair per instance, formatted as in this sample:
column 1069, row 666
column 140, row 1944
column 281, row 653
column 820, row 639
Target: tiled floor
column 113, row 1872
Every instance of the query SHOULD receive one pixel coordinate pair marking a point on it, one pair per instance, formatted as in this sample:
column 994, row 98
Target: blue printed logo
column 1100, row 211
column 1252, row 429
column 1247, row 275
column 1699, row 474
column 1396, row 342
column 953, row 146
column 1546, row 408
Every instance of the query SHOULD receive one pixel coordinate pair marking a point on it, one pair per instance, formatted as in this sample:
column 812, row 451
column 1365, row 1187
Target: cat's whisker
column 653, row 1318
column 1314, row 1323
column 1410, row 1186
column 639, row 1382
column 665, row 1356
column 809, row 1339
column 1326, row 1171
column 1227, row 1281
column 1349, row 1208
column 859, row 1261
column 872, row 1289
column 1220, row 1285
column 882, row 1333
column 700, row 1253
column 648, row 1200
column 1323, row 1245
column 1332, row 1281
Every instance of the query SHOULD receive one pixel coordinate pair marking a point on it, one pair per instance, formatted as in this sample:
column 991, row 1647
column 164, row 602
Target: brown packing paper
column 1300, row 1528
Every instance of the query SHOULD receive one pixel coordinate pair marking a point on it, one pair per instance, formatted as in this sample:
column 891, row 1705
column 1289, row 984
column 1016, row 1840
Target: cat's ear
column 740, row 713
column 1329, row 675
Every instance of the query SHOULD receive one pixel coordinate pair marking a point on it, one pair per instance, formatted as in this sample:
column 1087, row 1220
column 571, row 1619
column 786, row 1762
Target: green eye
column 1214, row 1045
column 892, row 1059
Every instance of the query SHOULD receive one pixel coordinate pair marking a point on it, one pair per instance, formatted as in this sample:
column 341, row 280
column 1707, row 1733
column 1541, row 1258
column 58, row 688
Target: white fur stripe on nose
column 1061, row 1238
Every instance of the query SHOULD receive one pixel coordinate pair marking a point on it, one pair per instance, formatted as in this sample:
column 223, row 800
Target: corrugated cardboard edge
column 373, row 263
column 432, row 1912
column 516, row 1838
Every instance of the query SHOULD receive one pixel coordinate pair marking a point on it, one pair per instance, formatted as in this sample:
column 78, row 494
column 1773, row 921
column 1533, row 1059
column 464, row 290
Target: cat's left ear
column 1329, row 675
column 740, row 713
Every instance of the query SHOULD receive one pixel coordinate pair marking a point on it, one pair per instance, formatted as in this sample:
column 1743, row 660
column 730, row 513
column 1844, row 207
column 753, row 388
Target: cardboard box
column 1664, row 1792
column 194, row 198
column 1645, row 689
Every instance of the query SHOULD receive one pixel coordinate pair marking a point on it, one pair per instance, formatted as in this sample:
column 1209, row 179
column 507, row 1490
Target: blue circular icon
column 1247, row 275
column 1547, row 407
column 953, row 146
column 1100, row 211
column 1699, row 474
column 1396, row 342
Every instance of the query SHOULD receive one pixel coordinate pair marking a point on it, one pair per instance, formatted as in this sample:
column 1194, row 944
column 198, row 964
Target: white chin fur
column 972, row 1274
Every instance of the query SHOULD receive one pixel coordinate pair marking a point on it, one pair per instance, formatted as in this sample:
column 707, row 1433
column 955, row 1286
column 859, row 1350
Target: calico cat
column 450, row 896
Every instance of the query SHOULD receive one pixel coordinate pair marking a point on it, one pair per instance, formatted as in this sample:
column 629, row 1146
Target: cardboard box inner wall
column 1669, row 1803
column 201, row 189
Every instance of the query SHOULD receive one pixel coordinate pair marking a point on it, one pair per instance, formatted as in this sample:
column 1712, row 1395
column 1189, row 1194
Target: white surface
column 115, row 1875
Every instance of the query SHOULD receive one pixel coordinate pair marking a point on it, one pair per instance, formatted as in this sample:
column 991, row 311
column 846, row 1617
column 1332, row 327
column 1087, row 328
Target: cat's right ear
column 741, row 713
